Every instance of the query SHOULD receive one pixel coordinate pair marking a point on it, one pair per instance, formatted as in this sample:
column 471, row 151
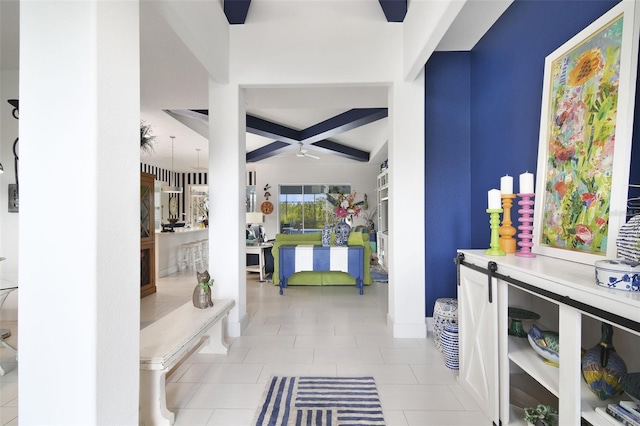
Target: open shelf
column 589, row 401
column 521, row 353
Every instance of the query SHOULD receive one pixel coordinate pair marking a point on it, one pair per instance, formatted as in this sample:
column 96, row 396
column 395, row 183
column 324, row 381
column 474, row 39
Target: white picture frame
column 581, row 188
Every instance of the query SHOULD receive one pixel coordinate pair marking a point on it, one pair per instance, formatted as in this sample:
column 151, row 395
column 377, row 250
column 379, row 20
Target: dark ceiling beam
column 342, row 150
column 261, row 127
column 236, row 10
column 394, row 10
column 315, row 135
column 342, row 123
column 203, row 112
column 265, row 151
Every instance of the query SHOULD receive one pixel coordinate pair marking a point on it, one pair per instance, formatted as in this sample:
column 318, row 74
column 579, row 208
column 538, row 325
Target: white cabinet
column 567, row 299
column 477, row 316
column 382, row 198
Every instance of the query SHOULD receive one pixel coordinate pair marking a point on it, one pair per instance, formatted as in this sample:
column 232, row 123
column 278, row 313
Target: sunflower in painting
column 589, row 64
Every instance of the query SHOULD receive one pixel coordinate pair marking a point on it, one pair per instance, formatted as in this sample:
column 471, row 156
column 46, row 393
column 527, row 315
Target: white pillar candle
column 494, row 199
column 526, row 183
column 506, row 184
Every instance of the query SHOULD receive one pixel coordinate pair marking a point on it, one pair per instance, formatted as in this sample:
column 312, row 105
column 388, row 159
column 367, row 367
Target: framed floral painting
column 585, row 139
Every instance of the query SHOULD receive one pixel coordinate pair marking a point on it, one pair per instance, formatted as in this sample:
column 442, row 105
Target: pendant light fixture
column 172, row 189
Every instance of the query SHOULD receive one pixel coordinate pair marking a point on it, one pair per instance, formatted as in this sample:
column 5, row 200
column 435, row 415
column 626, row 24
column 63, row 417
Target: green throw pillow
column 355, row 239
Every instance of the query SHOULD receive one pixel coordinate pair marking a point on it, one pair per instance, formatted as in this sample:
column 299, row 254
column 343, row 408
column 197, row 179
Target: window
column 304, row 208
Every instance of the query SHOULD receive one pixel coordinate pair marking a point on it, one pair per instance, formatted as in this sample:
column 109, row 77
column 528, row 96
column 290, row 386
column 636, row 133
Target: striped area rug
column 320, row 401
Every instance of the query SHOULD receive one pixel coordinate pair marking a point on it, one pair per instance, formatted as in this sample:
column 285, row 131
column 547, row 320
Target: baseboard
column 235, row 329
column 168, row 271
column 407, row 331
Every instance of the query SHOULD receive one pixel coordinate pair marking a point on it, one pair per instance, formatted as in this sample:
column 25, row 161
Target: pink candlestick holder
column 526, row 220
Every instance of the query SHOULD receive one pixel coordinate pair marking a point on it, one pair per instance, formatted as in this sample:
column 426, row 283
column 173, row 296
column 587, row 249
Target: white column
column 79, row 307
column 406, row 208
column 227, row 247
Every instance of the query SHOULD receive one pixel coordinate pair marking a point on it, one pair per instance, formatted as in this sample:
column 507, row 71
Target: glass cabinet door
column 147, row 235
column 147, row 225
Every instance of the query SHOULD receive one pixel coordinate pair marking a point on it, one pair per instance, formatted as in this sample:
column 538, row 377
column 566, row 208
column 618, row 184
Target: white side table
column 259, row 250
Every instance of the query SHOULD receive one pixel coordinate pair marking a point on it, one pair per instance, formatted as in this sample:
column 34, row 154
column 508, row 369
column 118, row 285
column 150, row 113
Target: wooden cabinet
column 147, row 235
column 568, row 300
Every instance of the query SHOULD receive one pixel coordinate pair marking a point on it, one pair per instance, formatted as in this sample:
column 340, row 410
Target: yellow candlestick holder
column 506, row 231
column 495, row 238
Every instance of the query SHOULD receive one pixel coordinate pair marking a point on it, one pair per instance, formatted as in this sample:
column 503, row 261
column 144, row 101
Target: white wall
column 328, row 48
column 361, row 177
column 8, row 221
column 335, row 49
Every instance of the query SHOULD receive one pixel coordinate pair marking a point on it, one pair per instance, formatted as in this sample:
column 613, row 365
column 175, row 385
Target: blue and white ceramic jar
column 445, row 312
column 342, row 230
column 450, row 346
column 326, row 235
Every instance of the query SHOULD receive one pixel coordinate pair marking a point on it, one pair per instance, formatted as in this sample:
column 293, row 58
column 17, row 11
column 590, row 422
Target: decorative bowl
column 619, row 274
column 546, row 344
column 172, row 220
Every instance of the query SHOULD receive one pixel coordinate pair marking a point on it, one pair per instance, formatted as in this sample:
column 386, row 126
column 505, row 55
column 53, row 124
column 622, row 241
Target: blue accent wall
column 502, row 77
column 447, row 169
column 507, row 73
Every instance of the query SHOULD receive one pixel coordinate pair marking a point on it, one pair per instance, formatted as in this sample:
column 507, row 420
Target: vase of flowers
column 342, row 230
column 345, row 206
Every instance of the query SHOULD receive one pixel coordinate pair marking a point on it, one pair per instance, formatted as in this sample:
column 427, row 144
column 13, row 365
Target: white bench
column 166, row 342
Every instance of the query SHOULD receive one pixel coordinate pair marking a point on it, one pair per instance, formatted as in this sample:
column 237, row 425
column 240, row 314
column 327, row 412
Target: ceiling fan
column 303, row 152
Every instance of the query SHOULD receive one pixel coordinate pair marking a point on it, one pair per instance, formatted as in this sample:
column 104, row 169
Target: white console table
column 494, row 367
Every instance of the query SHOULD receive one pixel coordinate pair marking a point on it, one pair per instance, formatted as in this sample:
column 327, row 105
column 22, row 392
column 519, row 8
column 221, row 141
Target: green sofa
column 325, row 277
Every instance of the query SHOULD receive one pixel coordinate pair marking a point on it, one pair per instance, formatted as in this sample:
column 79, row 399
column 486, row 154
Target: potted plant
column 146, row 138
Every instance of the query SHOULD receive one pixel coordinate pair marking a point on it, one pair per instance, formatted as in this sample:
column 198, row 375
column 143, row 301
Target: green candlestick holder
column 494, row 220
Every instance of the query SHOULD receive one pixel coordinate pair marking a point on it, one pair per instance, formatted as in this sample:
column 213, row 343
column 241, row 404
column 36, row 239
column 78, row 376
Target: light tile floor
column 329, row 331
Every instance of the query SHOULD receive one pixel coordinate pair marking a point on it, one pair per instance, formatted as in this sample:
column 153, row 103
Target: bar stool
column 191, row 255
column 183, row 257
column 204, row 248
column 195, row 255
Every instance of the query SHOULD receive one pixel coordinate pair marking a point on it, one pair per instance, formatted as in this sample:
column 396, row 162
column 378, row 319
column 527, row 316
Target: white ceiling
column 172, row 78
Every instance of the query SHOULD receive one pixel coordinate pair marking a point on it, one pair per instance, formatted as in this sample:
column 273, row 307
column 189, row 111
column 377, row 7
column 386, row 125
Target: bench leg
column 153, row 399
column 216, row 344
